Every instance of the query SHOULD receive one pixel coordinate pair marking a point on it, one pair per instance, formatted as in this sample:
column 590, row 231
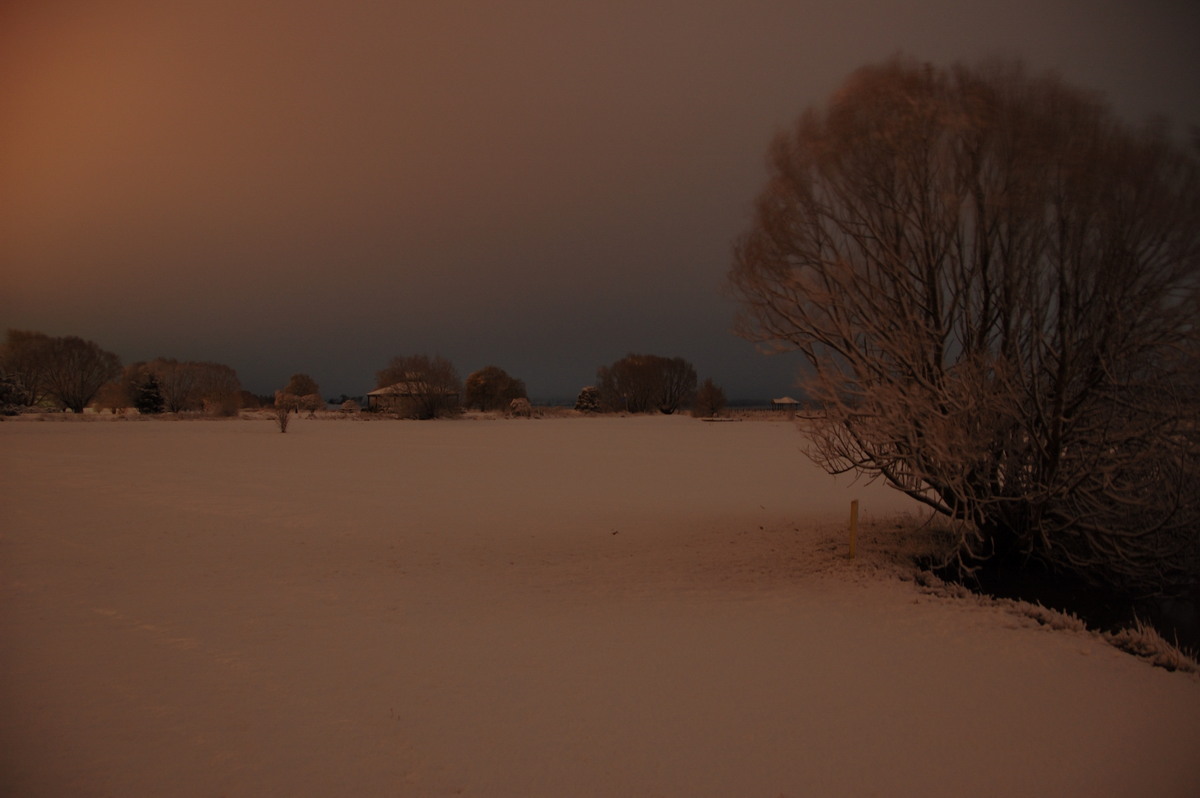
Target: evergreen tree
column 147, row 396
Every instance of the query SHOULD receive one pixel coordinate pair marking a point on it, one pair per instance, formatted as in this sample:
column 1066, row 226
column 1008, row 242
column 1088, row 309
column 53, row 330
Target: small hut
column 786, row 404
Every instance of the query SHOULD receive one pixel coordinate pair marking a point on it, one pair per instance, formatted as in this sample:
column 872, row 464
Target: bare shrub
column 189, row 386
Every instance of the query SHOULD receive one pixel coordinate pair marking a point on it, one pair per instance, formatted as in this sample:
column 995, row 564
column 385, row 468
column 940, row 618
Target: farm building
column 403, row 395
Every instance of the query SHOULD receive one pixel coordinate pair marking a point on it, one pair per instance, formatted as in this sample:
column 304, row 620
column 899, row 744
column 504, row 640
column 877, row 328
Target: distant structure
column 787, row 404
column 390, row 396
column 402, row 394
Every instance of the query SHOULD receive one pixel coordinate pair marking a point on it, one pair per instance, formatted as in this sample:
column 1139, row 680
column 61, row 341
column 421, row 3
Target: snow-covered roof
column 407, row 388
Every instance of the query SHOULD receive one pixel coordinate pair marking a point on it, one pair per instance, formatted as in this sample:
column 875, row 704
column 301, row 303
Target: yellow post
column 853, row 525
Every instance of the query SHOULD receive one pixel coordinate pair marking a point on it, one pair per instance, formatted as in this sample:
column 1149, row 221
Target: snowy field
column 648, row 606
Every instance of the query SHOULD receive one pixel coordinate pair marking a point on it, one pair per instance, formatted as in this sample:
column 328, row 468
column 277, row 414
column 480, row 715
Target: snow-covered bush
column 520, row 408
column 588, row 401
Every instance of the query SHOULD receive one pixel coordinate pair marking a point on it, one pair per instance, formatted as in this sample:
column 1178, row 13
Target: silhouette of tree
column 76, row 370
column 643, row 383
column 994, row 283
column 145, row 394
column 710, row 400
column 491, row 388
column 301, row 385
column 25, row 358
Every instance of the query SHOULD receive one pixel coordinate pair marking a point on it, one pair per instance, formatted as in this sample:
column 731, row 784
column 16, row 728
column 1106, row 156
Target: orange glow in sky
column 318, row 186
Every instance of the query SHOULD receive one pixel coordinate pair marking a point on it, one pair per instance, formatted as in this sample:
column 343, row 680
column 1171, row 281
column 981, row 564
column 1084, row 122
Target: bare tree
column 677, row 384
column 219, row 388
column 176, row 384
column 491, row 388
column 995, row 286
column 25, row 358
column 301, row 394
column 302, row 385
column 420, row 386
column 193, row 386
column 628, row 385
column 292, row 403
column 644, row 383
column 76, row 370
column 710, row 400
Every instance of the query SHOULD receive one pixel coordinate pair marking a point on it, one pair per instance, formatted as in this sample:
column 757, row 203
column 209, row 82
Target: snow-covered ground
column 648, row 606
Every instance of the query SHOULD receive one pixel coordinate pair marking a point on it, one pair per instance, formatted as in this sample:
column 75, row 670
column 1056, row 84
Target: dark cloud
column 318, row 186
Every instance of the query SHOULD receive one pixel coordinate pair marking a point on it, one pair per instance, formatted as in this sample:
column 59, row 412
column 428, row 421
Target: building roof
column 408, row 388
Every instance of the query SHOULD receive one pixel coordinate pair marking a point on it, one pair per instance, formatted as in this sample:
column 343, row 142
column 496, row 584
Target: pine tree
column 148, row 398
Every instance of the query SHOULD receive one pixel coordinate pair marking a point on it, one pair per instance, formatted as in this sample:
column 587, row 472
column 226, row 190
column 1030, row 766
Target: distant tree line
column 70, row 373
column 172, row 386
column 419, row 386
column 64, row 372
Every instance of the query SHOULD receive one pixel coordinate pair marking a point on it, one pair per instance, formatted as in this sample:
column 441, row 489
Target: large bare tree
column 69, row 370
column 76, row 370
column 25, row 358
column 644, row 383
column 994, row 283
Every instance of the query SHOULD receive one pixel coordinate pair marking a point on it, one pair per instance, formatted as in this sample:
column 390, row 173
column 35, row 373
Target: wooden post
column 853, row 526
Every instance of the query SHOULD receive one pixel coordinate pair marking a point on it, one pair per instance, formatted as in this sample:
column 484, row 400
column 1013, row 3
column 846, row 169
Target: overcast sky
column 318, row 185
